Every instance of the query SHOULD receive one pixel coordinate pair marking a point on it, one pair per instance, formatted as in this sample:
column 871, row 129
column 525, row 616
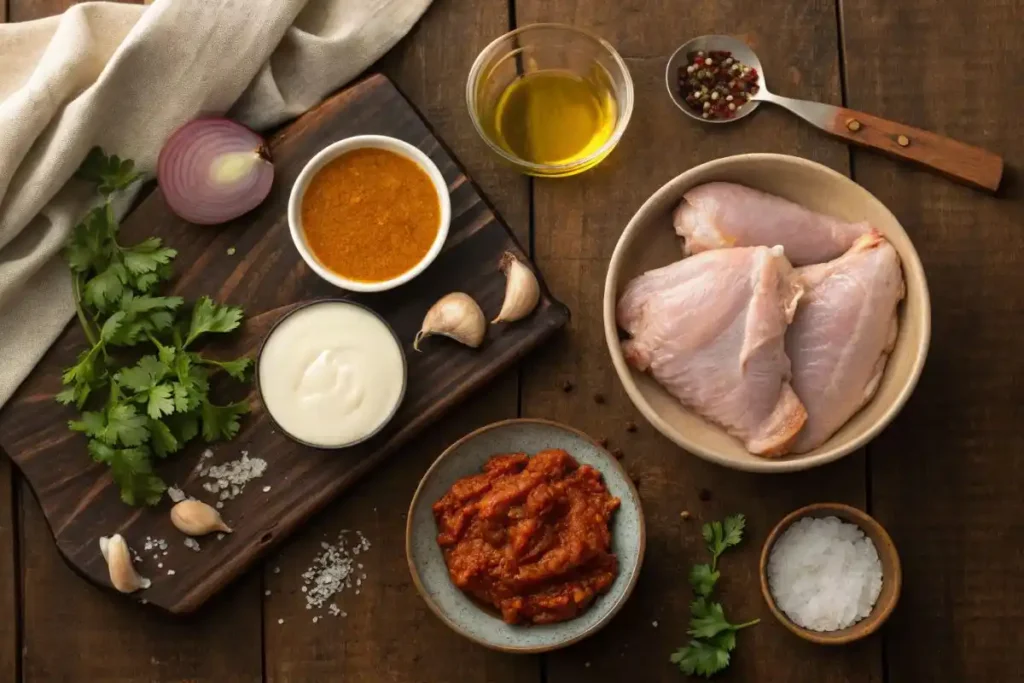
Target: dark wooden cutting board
column 266, row 276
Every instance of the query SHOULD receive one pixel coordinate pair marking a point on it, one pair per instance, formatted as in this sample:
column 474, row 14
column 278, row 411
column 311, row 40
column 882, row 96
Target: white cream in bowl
column 331, row 374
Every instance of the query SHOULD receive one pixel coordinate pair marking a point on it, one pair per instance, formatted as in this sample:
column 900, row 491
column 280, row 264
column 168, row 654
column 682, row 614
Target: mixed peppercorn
column 715, row 85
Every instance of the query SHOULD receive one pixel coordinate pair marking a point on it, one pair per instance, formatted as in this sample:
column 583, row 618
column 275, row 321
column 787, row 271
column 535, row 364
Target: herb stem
column 752, row 622
column 76, row 288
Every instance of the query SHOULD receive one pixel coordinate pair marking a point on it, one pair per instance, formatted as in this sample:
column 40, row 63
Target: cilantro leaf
column 162, row 440
column 144, row 375
column 185, row 426
column 109, row 173
column 726, row 640
column 721, row 536
column 91, row 245
column 703, row 579
column 103, row 290
column 700, row 659
column 222, row 421
column 159, row 401
column 147, row 256
column 134, row 476
column 92, row 424
column 208, row 316
column 708, row 619
column 125, row 425
column 236, row 368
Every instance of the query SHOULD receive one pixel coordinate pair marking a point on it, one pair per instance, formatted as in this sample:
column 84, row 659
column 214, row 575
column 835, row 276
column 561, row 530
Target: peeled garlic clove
column 119, row 564
column 196, row 518
column 522, row 291
column 456, row 316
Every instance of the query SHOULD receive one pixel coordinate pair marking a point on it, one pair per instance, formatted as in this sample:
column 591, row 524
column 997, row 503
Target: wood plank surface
column 267, row 277
column 389, row 634
column 9, row 568
column 577, row 223
column 72, row 631
column 947, row 475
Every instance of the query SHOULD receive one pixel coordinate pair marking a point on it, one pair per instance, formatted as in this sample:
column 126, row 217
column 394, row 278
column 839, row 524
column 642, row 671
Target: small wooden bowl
column 892, row 575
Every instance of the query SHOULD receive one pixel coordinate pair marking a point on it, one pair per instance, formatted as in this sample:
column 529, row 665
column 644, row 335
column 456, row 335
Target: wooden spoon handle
column 964, row 163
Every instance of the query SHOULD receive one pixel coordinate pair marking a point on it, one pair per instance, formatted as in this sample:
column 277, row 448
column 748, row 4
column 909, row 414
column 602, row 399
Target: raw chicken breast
column 719, row 215
column 842, row 335
column 711, row 330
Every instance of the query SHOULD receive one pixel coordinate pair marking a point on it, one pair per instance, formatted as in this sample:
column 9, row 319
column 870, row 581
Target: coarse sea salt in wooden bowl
column 892, row 576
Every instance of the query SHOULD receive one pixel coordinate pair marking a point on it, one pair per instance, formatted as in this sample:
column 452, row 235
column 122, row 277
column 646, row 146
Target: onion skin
column 214, row 170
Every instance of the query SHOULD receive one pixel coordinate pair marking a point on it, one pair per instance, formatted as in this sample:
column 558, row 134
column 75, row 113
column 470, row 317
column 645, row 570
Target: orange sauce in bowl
column 370, row 215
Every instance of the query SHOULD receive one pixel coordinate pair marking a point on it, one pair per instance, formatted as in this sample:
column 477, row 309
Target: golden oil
column 556, row 117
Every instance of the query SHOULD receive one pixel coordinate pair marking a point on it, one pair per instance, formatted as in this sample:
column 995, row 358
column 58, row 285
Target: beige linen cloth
column 123, row 77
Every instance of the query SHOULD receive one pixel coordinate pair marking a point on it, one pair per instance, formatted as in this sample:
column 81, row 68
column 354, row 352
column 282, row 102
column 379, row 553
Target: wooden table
column 947, row 479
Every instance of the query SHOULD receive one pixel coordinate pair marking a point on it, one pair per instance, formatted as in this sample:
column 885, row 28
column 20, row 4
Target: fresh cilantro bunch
column 713, row 636
column 161, row 402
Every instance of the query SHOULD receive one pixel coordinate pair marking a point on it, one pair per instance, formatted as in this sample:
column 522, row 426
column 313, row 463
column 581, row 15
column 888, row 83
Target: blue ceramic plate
column 466, row 457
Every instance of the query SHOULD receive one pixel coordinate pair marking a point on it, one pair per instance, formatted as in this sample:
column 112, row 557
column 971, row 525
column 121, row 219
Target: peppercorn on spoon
column 961, row 162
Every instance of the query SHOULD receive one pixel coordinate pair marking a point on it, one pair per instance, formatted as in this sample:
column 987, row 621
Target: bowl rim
column 912, row 268
column 339, row 148
column 316, row 302
column 619, row 600
column 533, row 168
column 869, row 525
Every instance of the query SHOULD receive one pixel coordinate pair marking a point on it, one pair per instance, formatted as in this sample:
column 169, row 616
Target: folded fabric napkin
column 124, row 77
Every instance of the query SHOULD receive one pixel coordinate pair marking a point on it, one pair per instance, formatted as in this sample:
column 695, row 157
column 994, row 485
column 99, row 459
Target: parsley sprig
column 713, row 637
column 159, row 403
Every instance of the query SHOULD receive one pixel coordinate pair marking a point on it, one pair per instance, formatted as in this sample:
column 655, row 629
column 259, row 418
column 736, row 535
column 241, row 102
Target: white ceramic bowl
column 649, row 242
column 335, row 150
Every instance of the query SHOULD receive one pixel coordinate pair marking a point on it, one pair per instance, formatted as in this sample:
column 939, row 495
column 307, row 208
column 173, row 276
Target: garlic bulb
column 119, row 564
column 456, row 316
column 196, row 518
column 522, row 291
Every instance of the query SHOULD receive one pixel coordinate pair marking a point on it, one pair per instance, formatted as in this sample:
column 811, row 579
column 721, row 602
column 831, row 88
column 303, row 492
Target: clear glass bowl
column 540, row 47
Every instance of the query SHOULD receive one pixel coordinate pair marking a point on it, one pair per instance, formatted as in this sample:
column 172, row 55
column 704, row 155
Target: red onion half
column 213, row 170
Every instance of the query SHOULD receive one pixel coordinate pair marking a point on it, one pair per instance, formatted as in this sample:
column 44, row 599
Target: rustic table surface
column 946, row 479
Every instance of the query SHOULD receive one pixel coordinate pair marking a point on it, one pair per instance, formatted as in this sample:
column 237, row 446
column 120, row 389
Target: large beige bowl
column 649, row 241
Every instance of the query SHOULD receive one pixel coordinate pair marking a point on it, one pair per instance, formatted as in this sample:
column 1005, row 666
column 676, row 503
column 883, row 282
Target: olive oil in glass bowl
column 550, row 99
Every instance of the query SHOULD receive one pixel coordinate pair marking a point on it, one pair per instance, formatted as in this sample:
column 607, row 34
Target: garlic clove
column 119, row 565
column 456, row 316
column 196, row 518
column 522, row 291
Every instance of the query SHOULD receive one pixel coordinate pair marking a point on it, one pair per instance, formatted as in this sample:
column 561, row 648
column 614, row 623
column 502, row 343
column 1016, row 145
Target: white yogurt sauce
column 331, row 374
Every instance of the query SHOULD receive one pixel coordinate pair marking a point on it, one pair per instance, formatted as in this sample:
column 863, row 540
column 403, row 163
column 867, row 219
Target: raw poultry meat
column 718, row 215
column 711, row 330
column 842, row 335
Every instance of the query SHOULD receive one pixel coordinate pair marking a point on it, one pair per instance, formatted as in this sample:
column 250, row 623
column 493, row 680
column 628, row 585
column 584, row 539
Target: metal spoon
column 973, row 166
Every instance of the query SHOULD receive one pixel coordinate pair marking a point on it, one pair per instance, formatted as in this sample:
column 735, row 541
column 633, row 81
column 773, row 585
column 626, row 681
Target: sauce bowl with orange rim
column 369, row 213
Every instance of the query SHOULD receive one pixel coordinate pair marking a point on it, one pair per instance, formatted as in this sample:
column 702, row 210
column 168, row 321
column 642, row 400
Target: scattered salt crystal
column 277, row 570
column 220, row 505
column 160, row 565
column 654, row 624
column 280, row 621
column 315, row 619
column 266, row 489
column 175, row 494
column 170, row 572
column 192, row 544
column 228, row 479
column 267, row 593
column 824, row 573
column 332, row 570
column 220, row 537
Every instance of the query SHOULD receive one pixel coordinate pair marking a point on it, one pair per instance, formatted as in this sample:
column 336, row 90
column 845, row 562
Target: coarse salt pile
column 333, row 570
column 824, row 573
column 230, row 478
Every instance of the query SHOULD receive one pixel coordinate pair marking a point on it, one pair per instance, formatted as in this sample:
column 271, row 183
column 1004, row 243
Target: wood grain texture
column 389, row 634
column 577, row 223
column 947, row 475
column 9, row 568
column 973, row 166
column 267, row 277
